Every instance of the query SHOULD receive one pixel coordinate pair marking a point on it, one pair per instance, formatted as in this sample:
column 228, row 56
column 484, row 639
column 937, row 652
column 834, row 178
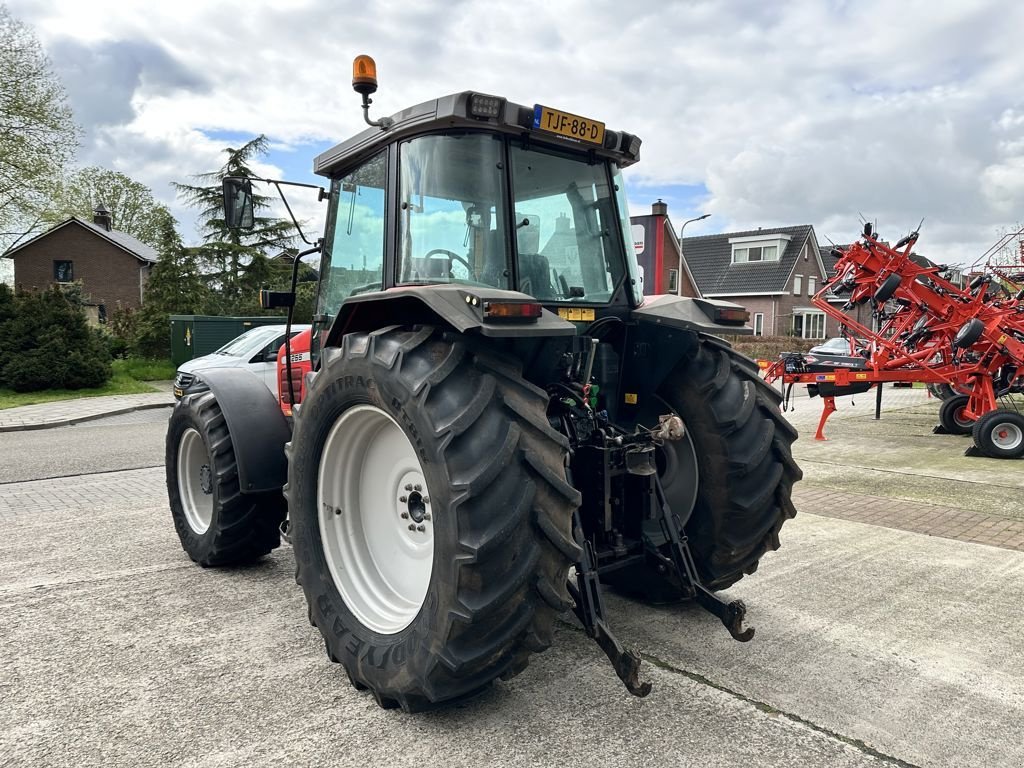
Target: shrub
column 45, row 343
column 770, row 347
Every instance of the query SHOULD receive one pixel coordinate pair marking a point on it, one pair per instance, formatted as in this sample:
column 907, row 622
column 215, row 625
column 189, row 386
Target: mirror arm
column 284, row 200
column 291, row 312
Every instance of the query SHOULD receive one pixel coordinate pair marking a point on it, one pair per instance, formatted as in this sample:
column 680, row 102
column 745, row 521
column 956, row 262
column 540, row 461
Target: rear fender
column 257, row 427
column 457, row 306
column 694, row 314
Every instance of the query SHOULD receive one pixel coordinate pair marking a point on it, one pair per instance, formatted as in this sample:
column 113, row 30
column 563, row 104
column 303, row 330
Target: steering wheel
column 454, row 256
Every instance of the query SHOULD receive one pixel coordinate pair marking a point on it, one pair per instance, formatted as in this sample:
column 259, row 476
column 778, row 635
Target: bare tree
column 38, row 136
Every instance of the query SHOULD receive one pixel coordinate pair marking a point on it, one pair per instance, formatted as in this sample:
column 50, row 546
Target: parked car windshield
column 251, row 341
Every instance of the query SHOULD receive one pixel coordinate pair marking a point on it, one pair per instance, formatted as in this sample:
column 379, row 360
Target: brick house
column 112, row 266
column 772, row 272
column 656, row 245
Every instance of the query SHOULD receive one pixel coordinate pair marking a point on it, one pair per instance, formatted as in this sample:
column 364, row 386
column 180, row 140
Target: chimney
column 101, row 217
column 659, row 208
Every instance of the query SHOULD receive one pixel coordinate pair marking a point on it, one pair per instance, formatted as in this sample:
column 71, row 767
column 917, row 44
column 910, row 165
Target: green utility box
column 197, row 335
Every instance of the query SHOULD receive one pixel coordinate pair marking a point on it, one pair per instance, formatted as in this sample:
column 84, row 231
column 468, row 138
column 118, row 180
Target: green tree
column 238, row 263
column 38, row 136
column 132, row 207
column 176, row 286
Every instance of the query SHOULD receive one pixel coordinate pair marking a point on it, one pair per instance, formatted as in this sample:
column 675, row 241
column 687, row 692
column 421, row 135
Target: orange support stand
column 828, row 409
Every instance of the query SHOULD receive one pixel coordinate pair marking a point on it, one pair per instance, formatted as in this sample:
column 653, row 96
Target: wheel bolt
column 426, row 515
column 421, row 528
column 405, row 515
column 408, row 486
column 426, row 499
column 412, row 527
column 403, row 499
column 417, row 487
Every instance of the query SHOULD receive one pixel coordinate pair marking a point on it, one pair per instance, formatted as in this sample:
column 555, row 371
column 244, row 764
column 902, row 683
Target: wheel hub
column 206, row 479
column 1007, row 436
column 417, row 507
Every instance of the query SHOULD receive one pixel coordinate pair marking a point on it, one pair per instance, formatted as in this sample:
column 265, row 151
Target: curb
column 80, row 419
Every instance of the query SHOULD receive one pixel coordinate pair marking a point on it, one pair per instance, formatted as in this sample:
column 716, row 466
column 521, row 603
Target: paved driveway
column 873, row 647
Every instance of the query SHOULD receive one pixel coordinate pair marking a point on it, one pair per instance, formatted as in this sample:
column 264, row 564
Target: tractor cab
column 476, row 192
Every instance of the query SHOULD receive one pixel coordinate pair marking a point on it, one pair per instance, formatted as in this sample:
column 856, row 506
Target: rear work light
column 482, row 105
column 731, row 316
column 508, row 310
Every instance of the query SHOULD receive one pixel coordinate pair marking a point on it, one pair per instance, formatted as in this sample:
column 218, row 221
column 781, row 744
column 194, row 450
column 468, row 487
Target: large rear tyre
column 953, row 416
column 740, row 452
column 431, row 517
column 1000, row 434
column 216, row 523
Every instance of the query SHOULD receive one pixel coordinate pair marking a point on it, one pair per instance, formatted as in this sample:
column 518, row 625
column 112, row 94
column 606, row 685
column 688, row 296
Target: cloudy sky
column 760, row 113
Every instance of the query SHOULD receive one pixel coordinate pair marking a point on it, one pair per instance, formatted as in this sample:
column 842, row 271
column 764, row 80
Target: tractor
column 491, row 423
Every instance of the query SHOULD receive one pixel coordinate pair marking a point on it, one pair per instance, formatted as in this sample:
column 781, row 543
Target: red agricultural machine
column 965, row 342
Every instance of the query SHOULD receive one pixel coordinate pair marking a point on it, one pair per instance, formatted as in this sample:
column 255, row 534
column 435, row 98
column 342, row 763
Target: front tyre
column 216, row 523
column 431, row 517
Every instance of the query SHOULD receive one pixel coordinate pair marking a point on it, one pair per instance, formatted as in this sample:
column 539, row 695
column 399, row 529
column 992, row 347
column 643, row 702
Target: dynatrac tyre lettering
column 427, row 444
column 216, row 523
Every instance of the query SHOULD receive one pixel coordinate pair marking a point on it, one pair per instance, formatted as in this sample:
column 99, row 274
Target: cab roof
column 470, row 110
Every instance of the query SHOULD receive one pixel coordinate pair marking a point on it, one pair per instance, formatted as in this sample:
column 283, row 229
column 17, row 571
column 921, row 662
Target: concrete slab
column 908, row 642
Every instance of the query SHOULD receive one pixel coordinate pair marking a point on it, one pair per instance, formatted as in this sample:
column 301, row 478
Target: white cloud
column 803, row 112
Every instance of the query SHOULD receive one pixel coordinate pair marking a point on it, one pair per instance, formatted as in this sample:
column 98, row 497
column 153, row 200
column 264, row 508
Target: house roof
column 828, row 260
column 709, row 258
column 122, row 240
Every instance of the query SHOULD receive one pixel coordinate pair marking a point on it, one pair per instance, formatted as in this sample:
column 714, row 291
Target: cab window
column 353, row 257
column 451, row 211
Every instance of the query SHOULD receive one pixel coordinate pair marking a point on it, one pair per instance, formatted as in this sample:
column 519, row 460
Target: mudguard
column 692, row 314
column 460, row 306
column 257, row 427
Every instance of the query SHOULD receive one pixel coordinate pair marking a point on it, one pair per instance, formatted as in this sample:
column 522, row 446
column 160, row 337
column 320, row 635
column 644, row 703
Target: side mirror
column 238, row 213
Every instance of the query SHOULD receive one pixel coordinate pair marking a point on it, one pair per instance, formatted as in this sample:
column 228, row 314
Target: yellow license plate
column 566, row 124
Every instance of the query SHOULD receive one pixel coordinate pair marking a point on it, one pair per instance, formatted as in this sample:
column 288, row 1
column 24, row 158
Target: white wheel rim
column 195, row 481
column 375, row 516
column 1006, row 435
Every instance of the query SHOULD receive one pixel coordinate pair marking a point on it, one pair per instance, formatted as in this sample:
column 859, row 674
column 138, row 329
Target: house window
column 63, row 271
column 811, row 285
column 798, row 284
column 746, row 254
column 759, row 323
column 673, row 280
column 809, row 325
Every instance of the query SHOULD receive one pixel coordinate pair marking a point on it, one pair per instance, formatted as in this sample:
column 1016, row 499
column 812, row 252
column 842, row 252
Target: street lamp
column 679, row 276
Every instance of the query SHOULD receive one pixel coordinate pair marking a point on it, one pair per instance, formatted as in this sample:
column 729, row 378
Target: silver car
column 256, row 349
